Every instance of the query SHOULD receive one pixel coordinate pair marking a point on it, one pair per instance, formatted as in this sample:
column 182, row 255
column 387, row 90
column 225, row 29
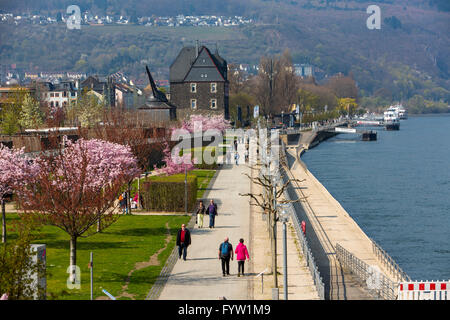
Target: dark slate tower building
column 157, row 104
column 198, row 80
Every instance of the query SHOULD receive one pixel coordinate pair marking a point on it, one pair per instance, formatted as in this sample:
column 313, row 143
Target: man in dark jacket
column 212, row 212
column 183, row 241
column 225, row 253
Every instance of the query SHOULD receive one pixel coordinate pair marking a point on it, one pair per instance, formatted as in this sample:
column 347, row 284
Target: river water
column 397, row 189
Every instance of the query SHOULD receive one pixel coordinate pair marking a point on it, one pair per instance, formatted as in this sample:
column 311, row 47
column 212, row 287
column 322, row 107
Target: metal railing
column 389, row 263
column 377, row 284
column 310, row 262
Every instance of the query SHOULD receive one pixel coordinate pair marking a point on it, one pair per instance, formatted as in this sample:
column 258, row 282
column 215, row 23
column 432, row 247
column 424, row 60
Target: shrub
column 166, row 193
column 17, row 266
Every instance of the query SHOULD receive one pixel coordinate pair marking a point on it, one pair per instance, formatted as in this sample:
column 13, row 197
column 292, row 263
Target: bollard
column 275, row 294
column 262, row 283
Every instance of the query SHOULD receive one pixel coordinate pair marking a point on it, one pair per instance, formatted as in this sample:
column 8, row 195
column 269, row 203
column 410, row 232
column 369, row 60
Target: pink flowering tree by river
column 77, row 188
column 15, row 169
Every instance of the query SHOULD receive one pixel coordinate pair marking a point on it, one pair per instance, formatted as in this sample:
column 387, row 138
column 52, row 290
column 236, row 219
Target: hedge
column 166, row 193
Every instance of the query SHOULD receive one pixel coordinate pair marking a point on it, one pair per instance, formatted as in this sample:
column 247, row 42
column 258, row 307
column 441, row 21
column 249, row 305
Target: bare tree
column 286, row 83
column 267, row 199
column 276, row 84
column 237, row 79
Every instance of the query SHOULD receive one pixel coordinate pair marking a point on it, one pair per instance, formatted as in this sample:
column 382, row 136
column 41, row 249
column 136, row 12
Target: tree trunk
column 73, row 258
column 3, row 222
column 128, row 198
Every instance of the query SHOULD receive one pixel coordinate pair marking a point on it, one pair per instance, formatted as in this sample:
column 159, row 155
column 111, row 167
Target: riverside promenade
column 329, row 224
column 200, row 276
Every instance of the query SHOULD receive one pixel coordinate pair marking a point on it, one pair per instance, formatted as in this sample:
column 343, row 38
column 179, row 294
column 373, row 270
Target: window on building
column 57, row 94
column 213, row 87
column 52, row 95
column 51, row 104
column 65, row 94
column 213, row 104
column 73, row 93
column 193, row 87
column 64, row 103
column 193, row 103
column 56, row 104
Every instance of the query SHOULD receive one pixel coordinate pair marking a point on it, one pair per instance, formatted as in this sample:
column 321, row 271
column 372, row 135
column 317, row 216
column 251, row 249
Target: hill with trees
column 406, row 60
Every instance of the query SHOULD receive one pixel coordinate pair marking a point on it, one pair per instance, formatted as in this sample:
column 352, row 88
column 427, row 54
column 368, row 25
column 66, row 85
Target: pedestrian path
column 200, row 276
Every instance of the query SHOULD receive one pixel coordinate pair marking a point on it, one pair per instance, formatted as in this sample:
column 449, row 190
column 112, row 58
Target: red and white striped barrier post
column 424, row 290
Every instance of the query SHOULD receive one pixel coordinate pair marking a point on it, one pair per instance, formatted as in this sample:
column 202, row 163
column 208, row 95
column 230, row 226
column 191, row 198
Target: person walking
column 241, row 254
column 183, row 241
column 236, row 157
column 225, row 254
column 123, row 202
column 212, row 212
column 200, row 214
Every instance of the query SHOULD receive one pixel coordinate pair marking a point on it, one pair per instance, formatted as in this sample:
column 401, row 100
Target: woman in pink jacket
column 241, row 253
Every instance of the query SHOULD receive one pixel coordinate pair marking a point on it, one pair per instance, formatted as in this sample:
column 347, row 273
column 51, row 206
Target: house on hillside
column 101, row 86
column 198, row 80
column 59, row 94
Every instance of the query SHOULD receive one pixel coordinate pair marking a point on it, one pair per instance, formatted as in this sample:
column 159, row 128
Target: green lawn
column 203, row 178
column 116, row 250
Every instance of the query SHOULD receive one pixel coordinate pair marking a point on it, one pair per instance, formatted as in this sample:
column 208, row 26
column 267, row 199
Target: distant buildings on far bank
column 88, row 18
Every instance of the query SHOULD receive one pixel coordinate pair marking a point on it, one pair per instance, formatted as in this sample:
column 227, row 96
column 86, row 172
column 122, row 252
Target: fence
column 310, row 262
column 389, row 263
column 428, row 290
column 377, row 283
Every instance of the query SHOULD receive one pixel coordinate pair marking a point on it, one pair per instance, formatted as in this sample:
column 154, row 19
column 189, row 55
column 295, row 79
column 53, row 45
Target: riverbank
column 396, row 189
column 328, row 224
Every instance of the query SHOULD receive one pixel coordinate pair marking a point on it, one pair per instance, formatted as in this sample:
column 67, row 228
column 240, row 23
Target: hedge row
column 166, row 193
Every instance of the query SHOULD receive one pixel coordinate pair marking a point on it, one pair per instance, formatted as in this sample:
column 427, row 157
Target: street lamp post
column 185, row 190
column 284, row 218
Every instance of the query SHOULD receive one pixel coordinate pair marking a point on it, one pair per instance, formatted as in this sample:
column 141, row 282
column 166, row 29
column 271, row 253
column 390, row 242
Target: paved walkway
column 300, row 283
column 200, row 276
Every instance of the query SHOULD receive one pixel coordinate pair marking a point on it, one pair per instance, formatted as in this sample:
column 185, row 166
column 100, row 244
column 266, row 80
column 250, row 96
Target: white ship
column 391, row 120
column 401, row 112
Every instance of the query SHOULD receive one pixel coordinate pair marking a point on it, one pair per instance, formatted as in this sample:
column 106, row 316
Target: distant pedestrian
column 183, row 241
column 123, row 202
column 200, row 214
column 241, row 254
column 212, row 212
column 236, row 157
column 228, row 157
column 225, row 254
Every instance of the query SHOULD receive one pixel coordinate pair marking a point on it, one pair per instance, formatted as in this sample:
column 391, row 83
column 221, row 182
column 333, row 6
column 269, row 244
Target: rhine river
column 397, row 189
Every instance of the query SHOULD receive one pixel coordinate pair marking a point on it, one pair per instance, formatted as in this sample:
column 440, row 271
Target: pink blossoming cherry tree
column 77, row 188
column 15, row 169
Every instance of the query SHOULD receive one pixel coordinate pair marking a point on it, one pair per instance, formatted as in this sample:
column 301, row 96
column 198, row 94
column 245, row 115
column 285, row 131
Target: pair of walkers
column 226, row 253
column 211, row 210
